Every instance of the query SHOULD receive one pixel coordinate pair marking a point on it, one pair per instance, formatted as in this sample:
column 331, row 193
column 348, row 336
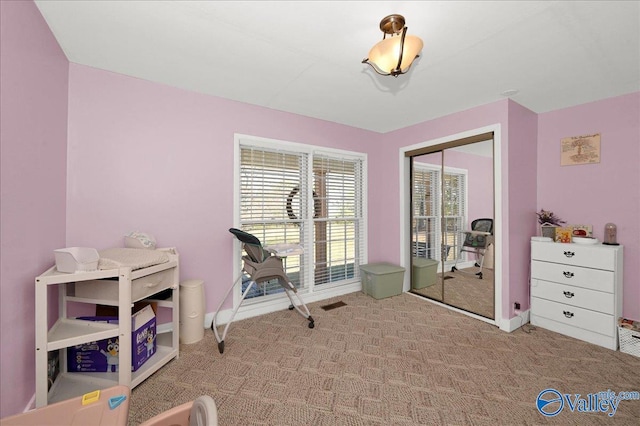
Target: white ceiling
column 305, row 57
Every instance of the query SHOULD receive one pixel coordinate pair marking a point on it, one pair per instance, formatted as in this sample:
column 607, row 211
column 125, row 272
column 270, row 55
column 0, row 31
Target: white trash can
column 191, row 311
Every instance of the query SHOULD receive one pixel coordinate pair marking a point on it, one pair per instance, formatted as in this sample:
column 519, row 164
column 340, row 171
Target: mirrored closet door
column 452, row 245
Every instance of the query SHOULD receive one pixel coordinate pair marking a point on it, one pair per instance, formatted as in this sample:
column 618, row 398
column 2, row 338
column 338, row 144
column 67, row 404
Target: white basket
column 629, row 341
column 76, row 259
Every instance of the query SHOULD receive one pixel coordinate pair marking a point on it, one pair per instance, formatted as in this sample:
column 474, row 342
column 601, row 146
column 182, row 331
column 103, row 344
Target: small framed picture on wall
column 580, row 150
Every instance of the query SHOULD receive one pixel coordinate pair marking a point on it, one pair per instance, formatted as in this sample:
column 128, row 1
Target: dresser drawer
column 140, row 288
column 594, row 279
column 596, row 256
column 577, row 317
column 574, row 296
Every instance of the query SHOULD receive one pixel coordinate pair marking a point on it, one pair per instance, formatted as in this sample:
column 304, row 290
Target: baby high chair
column 477, row 241
column 261, row 266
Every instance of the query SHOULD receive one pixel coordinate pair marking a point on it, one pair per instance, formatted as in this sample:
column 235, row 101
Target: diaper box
column 103, row 355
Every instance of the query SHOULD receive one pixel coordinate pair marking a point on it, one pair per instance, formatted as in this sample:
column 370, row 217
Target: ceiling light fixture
column 394, row 55
column 510, row 92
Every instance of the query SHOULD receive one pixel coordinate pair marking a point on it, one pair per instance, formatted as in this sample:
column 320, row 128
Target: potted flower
column 548, row 223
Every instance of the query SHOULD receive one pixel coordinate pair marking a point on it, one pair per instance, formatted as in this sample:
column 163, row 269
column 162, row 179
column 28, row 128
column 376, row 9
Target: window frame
column 441, row 171
column 312, row 292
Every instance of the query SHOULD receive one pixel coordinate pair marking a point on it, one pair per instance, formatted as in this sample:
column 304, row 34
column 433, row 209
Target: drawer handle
column 567, row 274
column 569, row 253
column 568, row 294
column 568, row 314
column 149, row 285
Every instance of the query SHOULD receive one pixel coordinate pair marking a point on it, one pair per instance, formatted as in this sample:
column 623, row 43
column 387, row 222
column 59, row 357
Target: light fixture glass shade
column 385, row 54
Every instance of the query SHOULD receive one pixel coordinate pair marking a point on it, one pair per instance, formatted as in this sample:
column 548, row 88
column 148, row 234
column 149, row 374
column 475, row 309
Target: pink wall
column 148, row 157
column 158, row 159
column 385, row 161
column 387, row 221
column 33, row 144
column 598, row 193
column 521, row 189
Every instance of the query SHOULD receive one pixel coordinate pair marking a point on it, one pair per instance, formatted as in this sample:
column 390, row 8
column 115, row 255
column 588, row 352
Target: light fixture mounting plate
column 392, row 24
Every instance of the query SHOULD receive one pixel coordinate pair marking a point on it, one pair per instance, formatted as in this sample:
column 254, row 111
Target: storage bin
column 629, row 341
column 424, row 272
column 380, row 280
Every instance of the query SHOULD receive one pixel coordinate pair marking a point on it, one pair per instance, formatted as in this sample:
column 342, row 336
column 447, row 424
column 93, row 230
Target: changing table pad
column 114, row 258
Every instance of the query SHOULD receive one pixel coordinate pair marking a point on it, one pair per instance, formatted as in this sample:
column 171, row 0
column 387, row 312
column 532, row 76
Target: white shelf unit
column 576, row 290
column 120, row 287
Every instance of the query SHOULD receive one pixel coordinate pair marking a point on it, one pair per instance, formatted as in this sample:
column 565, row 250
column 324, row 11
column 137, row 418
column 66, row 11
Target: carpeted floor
column 395, row 361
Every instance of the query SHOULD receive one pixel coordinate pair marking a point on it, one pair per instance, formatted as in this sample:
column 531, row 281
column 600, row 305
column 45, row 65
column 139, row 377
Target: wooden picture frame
column 583, row 149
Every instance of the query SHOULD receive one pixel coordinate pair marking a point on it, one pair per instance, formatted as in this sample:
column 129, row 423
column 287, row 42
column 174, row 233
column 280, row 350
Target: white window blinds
column 271, row 207
column 426, row 213
column 439, row 212
column 454, row 212
column 305, row 197
column 338, row 190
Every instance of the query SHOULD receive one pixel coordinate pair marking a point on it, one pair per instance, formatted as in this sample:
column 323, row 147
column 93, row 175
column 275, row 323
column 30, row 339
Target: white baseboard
column 31, row 405
column 518, row 321
column 257, row 309
column 250, row 310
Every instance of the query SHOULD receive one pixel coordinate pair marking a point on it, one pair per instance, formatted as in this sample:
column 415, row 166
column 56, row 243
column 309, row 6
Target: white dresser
column 576, row 290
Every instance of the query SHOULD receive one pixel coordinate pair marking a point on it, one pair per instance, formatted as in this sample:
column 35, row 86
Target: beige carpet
column 464, row 290
column 395, row 361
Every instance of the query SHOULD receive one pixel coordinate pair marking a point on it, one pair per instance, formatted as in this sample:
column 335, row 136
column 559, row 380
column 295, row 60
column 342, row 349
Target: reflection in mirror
column 426, row 223
column 451, row 190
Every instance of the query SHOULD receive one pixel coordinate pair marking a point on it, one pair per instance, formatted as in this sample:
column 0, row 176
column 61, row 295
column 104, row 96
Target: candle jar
column 610, row 234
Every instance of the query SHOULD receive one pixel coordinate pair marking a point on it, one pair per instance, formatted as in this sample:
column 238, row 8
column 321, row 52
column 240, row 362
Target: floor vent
column 333, row 305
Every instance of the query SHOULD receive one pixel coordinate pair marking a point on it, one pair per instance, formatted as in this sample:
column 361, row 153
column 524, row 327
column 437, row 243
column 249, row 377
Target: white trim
column 31, row 405
column 277, row 144
column 257, row 309
column 518, row 321
column 307, row 267
column 237, row 253
column 501, row 316
column 364, row 205
column 405, row 226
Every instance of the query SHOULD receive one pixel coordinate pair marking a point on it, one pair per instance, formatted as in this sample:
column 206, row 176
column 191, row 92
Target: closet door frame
column 405, row 216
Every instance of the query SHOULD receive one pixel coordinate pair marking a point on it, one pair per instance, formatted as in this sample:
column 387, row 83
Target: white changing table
column 115, row 287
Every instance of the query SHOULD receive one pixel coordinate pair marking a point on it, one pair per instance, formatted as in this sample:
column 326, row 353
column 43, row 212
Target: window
column 426, row 212
column 292, row 193
column 434, row 221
